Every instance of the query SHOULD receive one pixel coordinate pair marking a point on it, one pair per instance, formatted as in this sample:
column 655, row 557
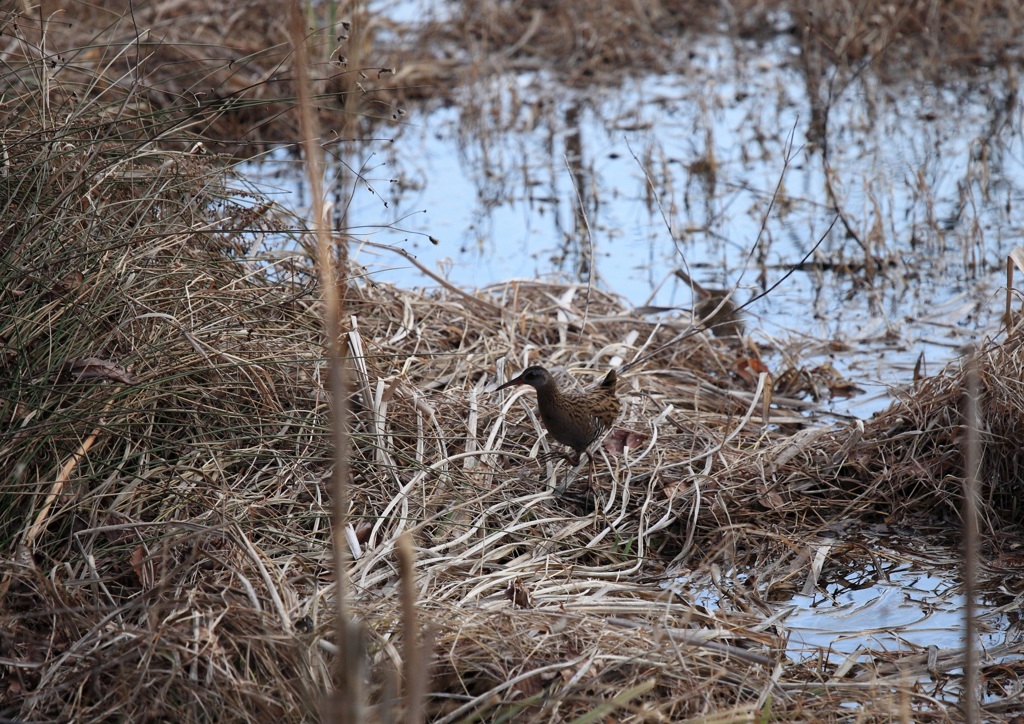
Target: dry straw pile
column 166, row 535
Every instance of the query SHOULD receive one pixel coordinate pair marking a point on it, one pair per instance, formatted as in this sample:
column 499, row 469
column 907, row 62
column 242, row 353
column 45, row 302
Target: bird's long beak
column 514, row 381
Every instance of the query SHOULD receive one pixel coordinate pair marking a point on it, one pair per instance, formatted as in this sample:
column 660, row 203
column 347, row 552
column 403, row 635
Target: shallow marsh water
column 867, row 621
column 717, row 169
column 713, row 170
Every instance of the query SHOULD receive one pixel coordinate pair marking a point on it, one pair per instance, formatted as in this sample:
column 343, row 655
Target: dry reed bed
column 167, row 536
column 597, row 41
column 166, row 530
column 227, row 68
column 709, row 489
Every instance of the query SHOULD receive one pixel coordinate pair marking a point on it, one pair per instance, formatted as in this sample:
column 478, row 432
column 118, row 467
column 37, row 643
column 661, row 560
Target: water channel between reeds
column 714, row 171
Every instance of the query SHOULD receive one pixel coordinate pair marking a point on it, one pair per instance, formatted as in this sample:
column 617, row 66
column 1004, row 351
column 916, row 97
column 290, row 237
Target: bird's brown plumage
column 575, row 419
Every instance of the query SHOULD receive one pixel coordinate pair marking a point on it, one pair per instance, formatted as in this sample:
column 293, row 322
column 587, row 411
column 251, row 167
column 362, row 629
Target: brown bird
column 576, row 419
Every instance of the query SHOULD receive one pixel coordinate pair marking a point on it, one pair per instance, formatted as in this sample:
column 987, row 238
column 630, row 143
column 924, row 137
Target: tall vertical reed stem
column 346, row 706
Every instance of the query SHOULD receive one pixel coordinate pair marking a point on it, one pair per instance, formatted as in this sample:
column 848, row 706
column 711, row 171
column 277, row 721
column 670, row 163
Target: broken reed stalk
column 346, row 704
column 972, row 458
column 28, row 539
column 62, row 479
column 413, row 662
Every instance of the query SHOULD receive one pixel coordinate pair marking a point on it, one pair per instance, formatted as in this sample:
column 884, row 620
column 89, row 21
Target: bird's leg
column 587, row 498
column 572, row 458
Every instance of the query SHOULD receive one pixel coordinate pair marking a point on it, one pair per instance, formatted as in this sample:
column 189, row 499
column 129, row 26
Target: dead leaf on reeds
column 619, row 439
column 93, row 368
column 518, row 594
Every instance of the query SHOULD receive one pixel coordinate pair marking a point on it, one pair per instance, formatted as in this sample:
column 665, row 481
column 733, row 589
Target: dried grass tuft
column 226, row 70
column 163, row 443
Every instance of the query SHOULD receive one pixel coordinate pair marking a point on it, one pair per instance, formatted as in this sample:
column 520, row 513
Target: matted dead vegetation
column 166, row 530
column 224, row 69
column 604, row 42
column 227, row 68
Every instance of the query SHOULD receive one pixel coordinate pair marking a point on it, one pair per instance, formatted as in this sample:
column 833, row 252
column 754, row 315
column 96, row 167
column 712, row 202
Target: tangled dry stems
column 166, row 535
column 190, row 543
column 240, row 93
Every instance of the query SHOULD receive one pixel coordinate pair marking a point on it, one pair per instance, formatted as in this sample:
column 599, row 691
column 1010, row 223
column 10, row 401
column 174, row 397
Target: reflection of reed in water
column 714, row 308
